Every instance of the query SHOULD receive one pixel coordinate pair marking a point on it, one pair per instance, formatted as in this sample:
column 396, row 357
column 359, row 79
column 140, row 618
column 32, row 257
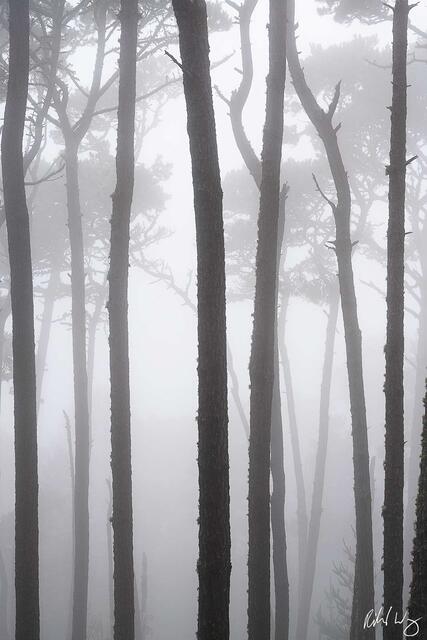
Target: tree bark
column 306, row 592
column 24, row 377
column 78, row 316
column 214, row 501
column 121, row 461
column 394, row 351
column 363, row 596
column 418, row 594
column 261, row 367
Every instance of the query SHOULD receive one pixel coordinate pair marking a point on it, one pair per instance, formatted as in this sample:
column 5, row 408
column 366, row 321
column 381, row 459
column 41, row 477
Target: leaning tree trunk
column 394, row 351
column 121, row 463
column 307, row 578
column 418, row 594
column 261, row 368
column 21, row 289
column 78, row 317
column 214, row 501
column 363, row 596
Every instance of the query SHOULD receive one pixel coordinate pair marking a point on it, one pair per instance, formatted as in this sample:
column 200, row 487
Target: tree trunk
column 418, row 595
column 363, row 596
column 121, row 462
column 78, row 316
column 24, row 377
column 302, row 520
column 394, row 351
column 46, row 325
column 214, row 501
column 261, row 368
column 306, row 592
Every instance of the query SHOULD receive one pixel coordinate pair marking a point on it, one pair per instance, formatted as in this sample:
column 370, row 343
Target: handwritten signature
column 410, row 627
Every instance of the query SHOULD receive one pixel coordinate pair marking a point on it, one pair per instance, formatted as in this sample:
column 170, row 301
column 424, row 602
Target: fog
column 163, row 321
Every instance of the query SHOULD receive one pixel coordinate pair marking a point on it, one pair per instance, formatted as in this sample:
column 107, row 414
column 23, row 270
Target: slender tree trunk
column 78, row 315
column 261, row 368
column 91, row 345
column 214, row 501
column 24, row 376
column 363, row 596
column 46, row 325
column 121, row 461
column 304, row 603
column 302, row 520
column 278, row 529
column 73, row 513
column 394, row 351
column 418, row 595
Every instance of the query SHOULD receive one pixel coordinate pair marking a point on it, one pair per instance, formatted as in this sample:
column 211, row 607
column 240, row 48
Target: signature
column 410, row 627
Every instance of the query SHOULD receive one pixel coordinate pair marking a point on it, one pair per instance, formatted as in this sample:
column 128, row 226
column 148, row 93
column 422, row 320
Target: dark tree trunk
column 363, row 596
column 214, row 501
column 236, row 104
column 261, row 368
column 24, row 377
column 278, row 529
column 304, row 602
column 394, row 351
column 121, row 462
column 78, row 316
column 418, row 594
column 46, row 325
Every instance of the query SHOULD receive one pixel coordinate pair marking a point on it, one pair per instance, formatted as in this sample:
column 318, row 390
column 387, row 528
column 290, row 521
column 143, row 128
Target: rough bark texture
column 278, row 529
column 418, row 595
column 121, row 462
column 304, row 602
column 236, row 104
column 363, row 597
column 24, row 378
column 261, row 367
column 214, row 519
column 394, row 424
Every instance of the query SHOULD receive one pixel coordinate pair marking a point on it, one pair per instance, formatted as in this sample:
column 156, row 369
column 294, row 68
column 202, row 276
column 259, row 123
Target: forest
column 213, row 320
